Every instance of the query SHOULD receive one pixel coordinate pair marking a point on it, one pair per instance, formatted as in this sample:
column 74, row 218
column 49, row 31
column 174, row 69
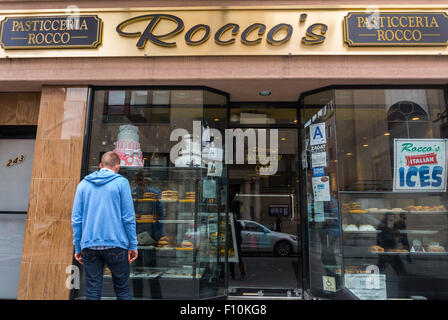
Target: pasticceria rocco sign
column 229, row 31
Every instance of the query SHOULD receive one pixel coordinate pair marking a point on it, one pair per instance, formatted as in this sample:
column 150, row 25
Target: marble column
column 48, row 249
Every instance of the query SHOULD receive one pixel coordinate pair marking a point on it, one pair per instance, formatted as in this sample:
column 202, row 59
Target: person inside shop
column 147, row 258
column 104, row 228
column 392, row 240
column 278, row 224
column 235, row 208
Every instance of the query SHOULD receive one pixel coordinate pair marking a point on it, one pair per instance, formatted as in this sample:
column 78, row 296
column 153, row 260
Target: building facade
column 319, row 128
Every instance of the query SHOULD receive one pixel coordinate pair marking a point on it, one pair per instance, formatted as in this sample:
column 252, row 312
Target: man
column 104, row 229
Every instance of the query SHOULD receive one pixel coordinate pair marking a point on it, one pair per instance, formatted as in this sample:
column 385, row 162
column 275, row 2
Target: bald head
column 110, row 160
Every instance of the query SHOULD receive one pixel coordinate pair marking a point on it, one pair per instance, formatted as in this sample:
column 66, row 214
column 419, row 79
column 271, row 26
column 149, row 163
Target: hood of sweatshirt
column 101, row 177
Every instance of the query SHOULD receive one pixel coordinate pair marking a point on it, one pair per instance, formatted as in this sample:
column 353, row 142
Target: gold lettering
column 427, row 22
column 434, row 23
column 46, row 38
column 419, row 35
column 84, row 25
column 67, row 36
column 419, row 22
column 403, row 24
column 397, row 33
column 411, row 22
column 54, row 37
column 45, row 25
column 382, row 21
column 63, row 25
column 35, row 22
column 31, row 38
column 39, row 38
column 17, row 26
column 361, row 22
column 389, row 35
column 395, row 25
column 53, row 26
column 27, row 25
column 381, row 35
column 70, row 25
column 407, row 35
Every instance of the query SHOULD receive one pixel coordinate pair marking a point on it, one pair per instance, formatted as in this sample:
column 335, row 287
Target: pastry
column 434, row 248
column 351, row 227
column 376, row 249
column 186, row 244
column 189, row 197
column 151, row 195
column 170, row 195
column 366, row 227
column 164, row 242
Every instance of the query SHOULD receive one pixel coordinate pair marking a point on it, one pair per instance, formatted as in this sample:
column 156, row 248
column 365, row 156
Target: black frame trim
column 18, row 131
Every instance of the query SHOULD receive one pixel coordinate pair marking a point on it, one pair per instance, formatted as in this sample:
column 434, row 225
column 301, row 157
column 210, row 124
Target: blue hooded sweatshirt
column 103, row 212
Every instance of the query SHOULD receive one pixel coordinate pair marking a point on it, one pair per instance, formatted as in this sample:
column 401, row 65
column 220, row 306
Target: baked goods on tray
column 397, row 250
column 164, row 242
column 170, row 195
column 366, row 227
column 189, row 197
column 376, row 249
column 350, row 227
column 435, row 248
column 440, row 208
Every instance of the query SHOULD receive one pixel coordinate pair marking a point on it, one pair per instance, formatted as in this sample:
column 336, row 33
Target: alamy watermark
column 206, row 144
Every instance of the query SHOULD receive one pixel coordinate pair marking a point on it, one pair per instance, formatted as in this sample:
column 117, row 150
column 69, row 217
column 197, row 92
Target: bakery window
column 178, row 188
column 387, row 181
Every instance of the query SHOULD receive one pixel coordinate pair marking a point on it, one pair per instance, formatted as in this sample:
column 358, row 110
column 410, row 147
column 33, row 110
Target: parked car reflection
column 258, row 238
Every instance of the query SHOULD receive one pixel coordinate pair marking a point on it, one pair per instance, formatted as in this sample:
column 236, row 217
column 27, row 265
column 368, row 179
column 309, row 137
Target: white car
column 258, row 238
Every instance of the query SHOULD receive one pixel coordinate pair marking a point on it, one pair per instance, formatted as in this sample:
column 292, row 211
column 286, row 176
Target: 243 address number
column 13, row 162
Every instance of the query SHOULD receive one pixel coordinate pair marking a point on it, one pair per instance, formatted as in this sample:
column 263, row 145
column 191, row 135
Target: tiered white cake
column 128, row 147
column 190, row 155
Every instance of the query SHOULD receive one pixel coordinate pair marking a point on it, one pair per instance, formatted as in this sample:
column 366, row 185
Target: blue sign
column 279, row 210
column 319, row 172
column 396, row 29
column 51, row 32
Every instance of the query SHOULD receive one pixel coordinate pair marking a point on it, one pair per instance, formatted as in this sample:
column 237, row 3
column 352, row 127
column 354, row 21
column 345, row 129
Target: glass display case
column 178, row 188
column 380, row 221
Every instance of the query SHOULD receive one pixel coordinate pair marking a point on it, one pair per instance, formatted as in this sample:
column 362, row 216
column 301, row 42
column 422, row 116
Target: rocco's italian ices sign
column 420, row 165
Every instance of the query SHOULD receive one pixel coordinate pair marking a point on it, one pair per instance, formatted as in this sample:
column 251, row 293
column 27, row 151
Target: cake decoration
column 128, row 147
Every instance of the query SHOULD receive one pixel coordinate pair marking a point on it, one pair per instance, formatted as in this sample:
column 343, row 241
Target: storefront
column 322, row 131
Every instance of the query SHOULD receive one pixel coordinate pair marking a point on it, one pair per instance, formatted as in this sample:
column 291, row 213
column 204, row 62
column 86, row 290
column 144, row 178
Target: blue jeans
column 117, row 261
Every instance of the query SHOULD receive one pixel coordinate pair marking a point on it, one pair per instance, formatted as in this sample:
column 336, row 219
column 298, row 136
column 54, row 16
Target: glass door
column 263, row 203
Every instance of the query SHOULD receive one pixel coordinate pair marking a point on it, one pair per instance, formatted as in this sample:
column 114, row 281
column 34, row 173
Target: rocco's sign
column 420, row 165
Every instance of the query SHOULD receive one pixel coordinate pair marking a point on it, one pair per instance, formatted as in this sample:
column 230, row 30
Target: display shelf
column 389, row 192
column 422, row 232
column 163, row 274
column 397, row 212
column 420, row 254
column 363, row 232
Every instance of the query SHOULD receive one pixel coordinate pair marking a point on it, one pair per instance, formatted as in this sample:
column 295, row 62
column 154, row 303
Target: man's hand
column 78, row 257
column 132, row 255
